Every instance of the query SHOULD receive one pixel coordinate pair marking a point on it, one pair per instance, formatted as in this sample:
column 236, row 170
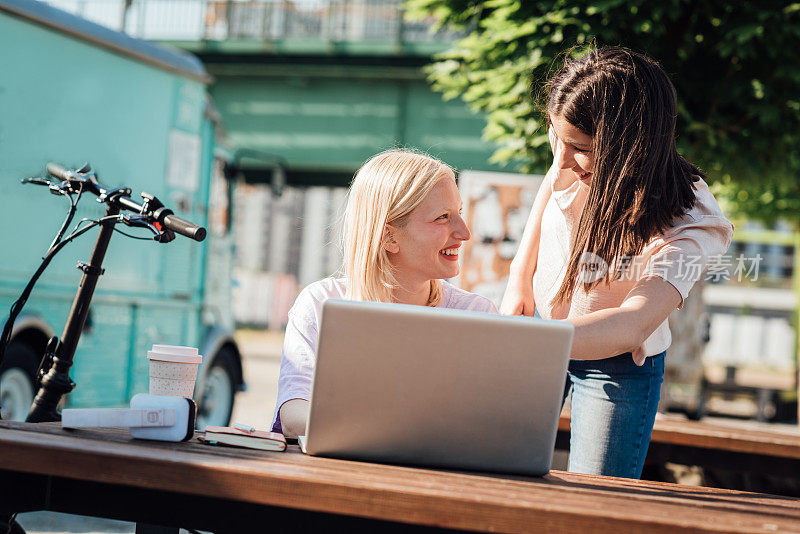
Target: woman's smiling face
column 574, row 149
column 426, row 247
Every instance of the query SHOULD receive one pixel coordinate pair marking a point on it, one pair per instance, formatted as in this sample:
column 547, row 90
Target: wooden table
column 105, row 473
column 748, row 448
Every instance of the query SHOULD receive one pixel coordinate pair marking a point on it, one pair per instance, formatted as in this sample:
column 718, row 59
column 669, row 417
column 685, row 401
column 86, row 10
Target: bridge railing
column 269, row 20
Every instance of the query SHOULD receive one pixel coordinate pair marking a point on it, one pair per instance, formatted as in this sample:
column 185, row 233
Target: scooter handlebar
column 183, row 227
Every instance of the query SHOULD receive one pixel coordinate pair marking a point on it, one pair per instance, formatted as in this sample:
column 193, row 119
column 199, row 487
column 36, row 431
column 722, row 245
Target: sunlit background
column 251, row 116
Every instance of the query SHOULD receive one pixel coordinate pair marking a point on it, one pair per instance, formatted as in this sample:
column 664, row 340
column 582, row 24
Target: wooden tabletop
column 482, row 502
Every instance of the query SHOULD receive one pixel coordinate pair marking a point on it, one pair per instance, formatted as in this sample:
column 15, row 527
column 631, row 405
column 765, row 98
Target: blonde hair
column 386, row 189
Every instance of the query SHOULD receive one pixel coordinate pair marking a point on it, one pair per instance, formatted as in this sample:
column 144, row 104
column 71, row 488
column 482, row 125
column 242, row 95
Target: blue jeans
column 613, row 408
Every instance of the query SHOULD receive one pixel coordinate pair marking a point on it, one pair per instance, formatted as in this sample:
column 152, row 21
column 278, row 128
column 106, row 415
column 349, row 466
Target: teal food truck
column 73, row 92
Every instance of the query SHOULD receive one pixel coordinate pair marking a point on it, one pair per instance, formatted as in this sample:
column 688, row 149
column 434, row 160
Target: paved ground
column 262, row 356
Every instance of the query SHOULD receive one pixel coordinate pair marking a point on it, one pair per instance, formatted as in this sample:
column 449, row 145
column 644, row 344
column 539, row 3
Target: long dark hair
column 640, row 183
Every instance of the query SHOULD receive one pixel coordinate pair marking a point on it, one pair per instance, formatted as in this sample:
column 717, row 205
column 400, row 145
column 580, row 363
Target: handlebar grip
column 180, row 226
column 58, row 171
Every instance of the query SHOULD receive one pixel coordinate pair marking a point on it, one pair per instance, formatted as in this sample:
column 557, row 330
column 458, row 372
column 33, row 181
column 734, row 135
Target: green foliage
column 735, row 66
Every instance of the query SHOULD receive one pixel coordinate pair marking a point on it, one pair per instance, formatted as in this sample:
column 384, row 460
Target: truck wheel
column 216, row 401
column 17, row 379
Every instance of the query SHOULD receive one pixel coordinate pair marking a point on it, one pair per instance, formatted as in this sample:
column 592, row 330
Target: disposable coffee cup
column 173, row 370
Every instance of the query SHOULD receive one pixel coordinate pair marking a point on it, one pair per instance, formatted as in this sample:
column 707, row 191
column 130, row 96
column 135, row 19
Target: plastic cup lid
column 174, row 353
column 176, row 349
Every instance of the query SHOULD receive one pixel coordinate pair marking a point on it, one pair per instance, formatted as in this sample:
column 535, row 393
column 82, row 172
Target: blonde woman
column 402, row 231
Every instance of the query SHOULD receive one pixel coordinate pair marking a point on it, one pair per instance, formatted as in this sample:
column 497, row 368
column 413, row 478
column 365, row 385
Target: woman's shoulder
column 705, row 204
column 314, row 294
column 327, row 288
column 460, row 299
column 705, row 213
column 703, row 228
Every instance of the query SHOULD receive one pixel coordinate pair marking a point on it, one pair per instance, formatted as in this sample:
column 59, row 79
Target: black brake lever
column 137, row 221
column 36, row 181
column 162, row 235
column 56, row 188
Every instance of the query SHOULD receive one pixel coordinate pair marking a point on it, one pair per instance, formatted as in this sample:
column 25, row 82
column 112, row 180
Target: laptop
column 437, row 387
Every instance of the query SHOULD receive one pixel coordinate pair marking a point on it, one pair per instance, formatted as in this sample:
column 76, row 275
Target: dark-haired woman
column 620, row 230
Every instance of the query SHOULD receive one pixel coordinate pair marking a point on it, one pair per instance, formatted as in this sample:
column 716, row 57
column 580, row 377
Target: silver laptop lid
column 437, row 387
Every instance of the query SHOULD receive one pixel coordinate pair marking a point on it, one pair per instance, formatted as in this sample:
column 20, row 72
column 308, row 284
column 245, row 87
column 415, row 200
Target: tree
column 735, row 67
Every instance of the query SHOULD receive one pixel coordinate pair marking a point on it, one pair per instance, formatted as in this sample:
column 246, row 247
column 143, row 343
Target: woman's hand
column 294, row 416
column 639, row 356
column 518, row 297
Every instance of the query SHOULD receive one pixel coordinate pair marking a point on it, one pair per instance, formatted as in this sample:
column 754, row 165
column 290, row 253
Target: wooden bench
column 746, row 447
column 105, row 473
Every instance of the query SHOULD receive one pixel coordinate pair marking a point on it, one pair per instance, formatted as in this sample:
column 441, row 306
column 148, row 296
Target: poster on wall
column 496, row 207
column 183, row 167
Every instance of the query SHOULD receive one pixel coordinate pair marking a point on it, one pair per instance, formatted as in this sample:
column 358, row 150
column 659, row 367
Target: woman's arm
column 518, row 297
column 607, row 333
column 294, row 416
column 298, row 360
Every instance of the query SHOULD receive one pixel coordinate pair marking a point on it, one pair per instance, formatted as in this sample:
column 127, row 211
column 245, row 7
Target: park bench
column 739, row 447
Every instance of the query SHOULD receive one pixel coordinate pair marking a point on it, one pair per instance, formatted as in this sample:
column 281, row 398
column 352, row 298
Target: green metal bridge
column 315, row 86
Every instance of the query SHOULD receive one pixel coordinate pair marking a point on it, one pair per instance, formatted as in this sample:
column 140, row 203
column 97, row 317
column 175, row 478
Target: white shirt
column 302, row 331
column 678, row 255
